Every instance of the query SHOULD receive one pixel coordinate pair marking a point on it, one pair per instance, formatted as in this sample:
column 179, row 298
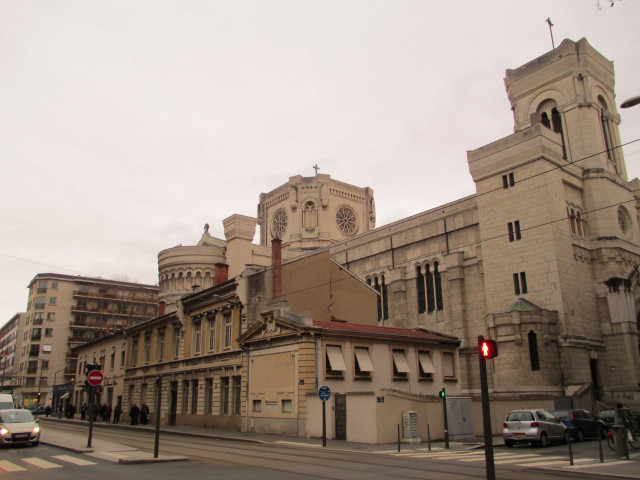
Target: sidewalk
column 124, row 454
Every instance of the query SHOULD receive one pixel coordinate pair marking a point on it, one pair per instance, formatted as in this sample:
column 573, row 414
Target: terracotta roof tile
column 417, row 333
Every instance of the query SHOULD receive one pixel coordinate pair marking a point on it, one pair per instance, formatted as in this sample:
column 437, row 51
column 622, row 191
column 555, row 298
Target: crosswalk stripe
column 74, row 460
column 10, row 467
column 38, row 462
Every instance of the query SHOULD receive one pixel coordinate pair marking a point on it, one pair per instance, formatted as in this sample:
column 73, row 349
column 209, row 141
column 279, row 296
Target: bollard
column 570, row 449
column 429, row 436
column 398, row 438
column 600, row 431
column 619, row 435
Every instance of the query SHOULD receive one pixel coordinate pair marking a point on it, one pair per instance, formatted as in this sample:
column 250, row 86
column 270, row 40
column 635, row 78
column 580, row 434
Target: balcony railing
column 110, row 312
column 111, row 296
column 39, row 306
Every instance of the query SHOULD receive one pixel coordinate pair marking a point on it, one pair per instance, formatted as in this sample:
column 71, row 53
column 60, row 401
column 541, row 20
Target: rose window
column 280, row 221
column 346, row 220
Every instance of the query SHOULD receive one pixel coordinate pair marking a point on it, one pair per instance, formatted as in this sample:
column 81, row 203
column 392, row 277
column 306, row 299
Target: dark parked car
column 36, row 409
column 581, row 423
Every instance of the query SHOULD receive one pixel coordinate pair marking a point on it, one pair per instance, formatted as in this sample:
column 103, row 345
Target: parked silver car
column 535, row 426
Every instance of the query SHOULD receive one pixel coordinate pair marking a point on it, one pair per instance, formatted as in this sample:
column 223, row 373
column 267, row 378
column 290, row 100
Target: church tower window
column 550, row 117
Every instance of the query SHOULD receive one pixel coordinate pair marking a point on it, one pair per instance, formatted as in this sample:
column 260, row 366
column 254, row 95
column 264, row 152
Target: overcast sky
column 126, row 125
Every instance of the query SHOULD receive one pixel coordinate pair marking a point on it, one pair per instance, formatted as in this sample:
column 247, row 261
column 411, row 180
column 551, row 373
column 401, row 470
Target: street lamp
column 631, row 102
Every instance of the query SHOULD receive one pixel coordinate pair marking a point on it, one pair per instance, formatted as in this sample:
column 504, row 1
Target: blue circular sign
column 324, row 393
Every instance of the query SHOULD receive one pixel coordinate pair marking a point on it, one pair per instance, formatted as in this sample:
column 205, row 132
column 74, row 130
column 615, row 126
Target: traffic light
column 90, row 367
column 98, row 390
column 443, row 394
column 488, row 348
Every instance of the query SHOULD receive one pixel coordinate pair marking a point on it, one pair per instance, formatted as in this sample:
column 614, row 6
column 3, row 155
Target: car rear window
column 520, row 416
column 562, row 413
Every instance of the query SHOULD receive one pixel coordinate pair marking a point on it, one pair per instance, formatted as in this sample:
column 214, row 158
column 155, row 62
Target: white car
column 535, row 426
column 18, row 427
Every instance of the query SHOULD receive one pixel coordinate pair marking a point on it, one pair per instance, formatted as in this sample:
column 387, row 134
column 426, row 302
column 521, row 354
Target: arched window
column 557, row 127
column 429, row 286
column 533, row 351
column 607, row 133
column 383, row 301
column 422, row 303
column 550, row 117
column 573, row 222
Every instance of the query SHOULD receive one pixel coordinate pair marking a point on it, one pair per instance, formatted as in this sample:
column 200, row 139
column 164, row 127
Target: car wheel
column 542, row 443
column 35, row 444
column 509, row 443
column 580, row 436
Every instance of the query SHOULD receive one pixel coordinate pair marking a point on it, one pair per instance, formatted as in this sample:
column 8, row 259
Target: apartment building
column 9, row 343
column 63, row 312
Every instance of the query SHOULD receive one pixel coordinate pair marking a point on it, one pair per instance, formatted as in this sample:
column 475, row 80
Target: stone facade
column 542, row 258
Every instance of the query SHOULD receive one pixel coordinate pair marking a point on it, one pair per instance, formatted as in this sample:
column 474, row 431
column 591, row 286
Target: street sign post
column 324, row 393
column 94, row 380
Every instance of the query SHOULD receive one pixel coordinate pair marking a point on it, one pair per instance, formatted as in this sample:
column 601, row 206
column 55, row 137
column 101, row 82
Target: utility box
column 410, row 427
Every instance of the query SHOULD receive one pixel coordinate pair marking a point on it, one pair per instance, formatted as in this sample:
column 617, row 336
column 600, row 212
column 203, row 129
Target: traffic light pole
column 486, row 414
column 446, row 420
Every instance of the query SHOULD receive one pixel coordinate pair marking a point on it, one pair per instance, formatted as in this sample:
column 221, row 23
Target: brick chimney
column 161, row 306
column 221, row 274
column 276, row 258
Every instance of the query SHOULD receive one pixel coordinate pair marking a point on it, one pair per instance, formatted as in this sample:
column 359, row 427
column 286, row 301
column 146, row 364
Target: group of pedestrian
column 139, row 414
column 103, row 411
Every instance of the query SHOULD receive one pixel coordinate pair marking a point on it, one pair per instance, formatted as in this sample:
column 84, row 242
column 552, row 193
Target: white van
column 6, row 401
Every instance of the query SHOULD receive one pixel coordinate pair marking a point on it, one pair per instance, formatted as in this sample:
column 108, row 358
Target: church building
column 543, row 258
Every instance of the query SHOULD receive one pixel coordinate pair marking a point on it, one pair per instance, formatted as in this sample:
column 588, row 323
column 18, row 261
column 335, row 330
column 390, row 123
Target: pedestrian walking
column 83, row 412
column 144, row 414
column 116, row 413
column 134, row 413
column 107, row 415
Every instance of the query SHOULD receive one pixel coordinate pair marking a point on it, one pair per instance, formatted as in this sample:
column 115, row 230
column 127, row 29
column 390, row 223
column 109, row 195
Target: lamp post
column 631, row 102
column 55, row 405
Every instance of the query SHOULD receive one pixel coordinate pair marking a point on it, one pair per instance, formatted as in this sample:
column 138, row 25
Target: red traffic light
column 488, row 349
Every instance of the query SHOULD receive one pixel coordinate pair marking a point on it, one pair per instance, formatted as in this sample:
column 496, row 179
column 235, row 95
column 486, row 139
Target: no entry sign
column 95, row 378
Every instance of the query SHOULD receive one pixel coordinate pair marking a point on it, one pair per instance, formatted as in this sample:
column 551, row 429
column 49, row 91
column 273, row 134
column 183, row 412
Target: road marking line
column 38, row 462
column 554, row 463
column 504, row 461
column 74, row 460
column 598, row 464
column 10, row 467
column 502, row 457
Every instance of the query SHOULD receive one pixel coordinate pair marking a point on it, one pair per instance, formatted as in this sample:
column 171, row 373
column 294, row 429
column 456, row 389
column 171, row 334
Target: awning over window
column 401, row 361
column 66, row 395
column 335, row 358
column 426, row 363
column 364, row 360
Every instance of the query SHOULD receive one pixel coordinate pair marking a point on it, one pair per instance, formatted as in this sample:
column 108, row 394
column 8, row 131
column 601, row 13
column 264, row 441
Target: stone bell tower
column 559, row 229
column 312, row 212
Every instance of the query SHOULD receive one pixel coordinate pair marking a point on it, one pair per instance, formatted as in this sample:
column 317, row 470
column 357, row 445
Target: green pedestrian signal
column 442, row 393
